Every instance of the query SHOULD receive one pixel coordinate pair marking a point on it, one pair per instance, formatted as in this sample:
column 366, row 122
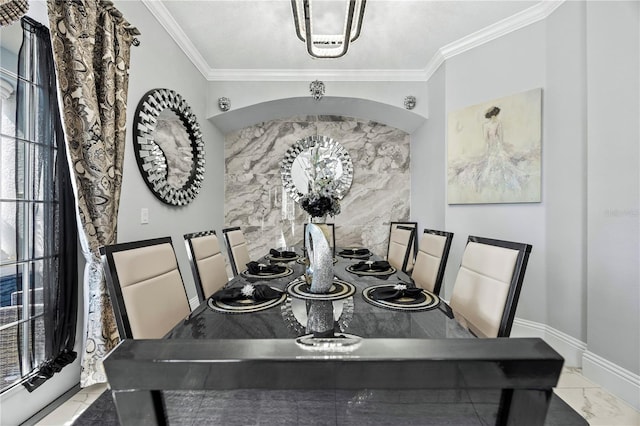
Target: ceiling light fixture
column 318, row 25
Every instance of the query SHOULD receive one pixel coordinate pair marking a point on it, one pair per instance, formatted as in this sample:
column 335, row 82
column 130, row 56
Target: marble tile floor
column 69, row 411
column 596, row 405
column 593, row 403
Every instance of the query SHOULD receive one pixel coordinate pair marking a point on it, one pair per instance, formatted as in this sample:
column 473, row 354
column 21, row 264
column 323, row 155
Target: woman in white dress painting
column 498, row 170
column 494, row 176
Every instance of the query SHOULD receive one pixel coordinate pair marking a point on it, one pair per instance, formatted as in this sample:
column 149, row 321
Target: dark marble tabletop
column 355, row 315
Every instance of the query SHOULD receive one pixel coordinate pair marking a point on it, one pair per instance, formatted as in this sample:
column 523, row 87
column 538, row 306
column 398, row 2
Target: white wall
column 429, row 157
column 565, row 151
column 159, row 63
column 613, row 84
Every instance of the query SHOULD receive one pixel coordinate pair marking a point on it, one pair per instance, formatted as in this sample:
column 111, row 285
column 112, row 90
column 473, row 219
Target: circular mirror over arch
column 316, row 158
column 168, row 147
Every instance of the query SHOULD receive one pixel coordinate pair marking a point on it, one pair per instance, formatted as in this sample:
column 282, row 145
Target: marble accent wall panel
column 255, row 200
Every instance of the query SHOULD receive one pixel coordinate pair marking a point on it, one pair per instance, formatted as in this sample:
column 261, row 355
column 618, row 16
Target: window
column 31, row 284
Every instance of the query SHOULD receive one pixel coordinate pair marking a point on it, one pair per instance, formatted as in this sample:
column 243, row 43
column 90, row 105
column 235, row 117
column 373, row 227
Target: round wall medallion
column 168, row 146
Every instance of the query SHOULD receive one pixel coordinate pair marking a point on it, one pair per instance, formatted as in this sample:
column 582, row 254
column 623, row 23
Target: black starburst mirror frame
column 149, row 155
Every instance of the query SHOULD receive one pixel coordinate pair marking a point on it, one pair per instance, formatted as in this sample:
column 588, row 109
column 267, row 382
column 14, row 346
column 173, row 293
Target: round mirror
column 168, row 147
column 314, row 159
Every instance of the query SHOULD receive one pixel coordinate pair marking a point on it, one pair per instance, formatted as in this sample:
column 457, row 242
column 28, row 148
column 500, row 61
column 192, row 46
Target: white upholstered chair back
column 146, row 288
column 487, row 287
column 400, row 247
column 207, row 262
column 237, row 249
column 431, row 260
column 413, row 249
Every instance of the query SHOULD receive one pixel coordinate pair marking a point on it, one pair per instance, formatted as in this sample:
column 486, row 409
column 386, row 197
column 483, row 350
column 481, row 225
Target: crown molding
column 520, row 20
column 164, row 17
column 501, row 28
column 306, row 75
column 433, row 65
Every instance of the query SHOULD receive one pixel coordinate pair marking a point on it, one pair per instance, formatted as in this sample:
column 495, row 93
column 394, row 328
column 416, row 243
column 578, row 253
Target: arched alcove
column 363, row 109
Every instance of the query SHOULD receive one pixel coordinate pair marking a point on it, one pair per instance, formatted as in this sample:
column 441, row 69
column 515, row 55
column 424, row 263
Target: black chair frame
column 405, row 224
column 192, row 261
column 232, row 258
column 412, row 239
column 445, row 256
column 113, row 283
column 524, row 250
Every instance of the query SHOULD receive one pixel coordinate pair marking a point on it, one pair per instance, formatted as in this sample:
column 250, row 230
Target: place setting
column 262, row 271
column 282, row 256
column 373, row 268
column 355, row 253
column 246, row 299
column 301, row 289
column 400, row 297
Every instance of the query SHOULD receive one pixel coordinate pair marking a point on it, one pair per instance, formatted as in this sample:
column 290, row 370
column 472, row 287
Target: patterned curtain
column 12, row 10
column 92, row 45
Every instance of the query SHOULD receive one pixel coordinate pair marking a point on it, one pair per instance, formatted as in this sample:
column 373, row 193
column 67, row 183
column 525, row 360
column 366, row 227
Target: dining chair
column 329, row 231
column 413, row 249
column 207, row 262
column 146, row 288
column 431, row 260
column 487, row 287
column 401, row 244
column 237, row 249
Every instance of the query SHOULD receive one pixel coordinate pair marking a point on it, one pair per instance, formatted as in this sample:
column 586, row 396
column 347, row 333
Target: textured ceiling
column 260, row 34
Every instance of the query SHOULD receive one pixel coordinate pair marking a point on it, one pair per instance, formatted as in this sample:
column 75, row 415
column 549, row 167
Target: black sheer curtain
column 53, row 243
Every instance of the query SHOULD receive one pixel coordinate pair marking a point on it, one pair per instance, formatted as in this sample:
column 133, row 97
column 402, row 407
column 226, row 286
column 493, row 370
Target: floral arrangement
column 321, row 200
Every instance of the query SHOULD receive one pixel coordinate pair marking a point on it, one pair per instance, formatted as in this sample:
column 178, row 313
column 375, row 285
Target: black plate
column 425, row 301
column 245, row 306
column 267, row 276
column 389, row 271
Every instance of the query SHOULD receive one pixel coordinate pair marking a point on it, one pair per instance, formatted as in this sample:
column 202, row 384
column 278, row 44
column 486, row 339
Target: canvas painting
column 494, row 151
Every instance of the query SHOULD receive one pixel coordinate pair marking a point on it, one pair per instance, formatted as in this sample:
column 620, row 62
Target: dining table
column 354, row 315
column 345, row 357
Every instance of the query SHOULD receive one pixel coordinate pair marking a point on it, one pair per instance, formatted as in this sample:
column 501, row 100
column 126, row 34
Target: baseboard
column 621, row 382
column 569, row 347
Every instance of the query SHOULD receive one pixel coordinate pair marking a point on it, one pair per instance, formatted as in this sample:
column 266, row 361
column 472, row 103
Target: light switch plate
column 144, row 215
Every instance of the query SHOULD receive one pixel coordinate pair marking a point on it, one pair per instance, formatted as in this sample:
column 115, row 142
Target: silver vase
column 320, row 320
column 320, row 256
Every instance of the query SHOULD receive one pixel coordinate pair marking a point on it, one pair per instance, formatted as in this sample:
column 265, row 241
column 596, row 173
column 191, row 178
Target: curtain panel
column 92, row 45
column 49, row 196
